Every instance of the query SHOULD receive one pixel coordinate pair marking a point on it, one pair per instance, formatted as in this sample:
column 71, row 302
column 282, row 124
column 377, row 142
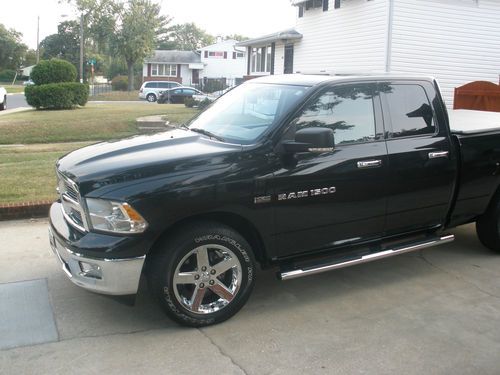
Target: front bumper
column 102, row 275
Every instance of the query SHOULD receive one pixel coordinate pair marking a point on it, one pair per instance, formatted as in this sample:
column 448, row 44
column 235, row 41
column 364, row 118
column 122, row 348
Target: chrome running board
column 434, row 241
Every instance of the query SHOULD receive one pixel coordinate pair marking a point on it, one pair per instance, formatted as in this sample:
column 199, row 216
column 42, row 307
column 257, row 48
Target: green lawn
column 90, row 123
column 12, row 89
column 117, row 96
column 27, row 172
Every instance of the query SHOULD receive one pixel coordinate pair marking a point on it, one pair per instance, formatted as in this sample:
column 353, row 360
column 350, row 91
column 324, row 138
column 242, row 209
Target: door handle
column 438, row 154
column 369, row 164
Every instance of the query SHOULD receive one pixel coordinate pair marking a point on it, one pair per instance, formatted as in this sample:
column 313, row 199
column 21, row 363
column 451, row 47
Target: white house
column 456, row 41
column 223, row 60
column 179, row 66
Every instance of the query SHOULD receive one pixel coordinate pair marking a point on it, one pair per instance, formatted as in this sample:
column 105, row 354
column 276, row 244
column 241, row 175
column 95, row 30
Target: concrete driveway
column 432, row 312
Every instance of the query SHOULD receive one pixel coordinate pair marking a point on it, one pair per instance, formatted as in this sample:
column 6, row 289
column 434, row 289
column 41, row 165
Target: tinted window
column 189, row 91
column 177, row 92
column 347, row 110
column 410, row 111
column 151, row 85
column 164, row 85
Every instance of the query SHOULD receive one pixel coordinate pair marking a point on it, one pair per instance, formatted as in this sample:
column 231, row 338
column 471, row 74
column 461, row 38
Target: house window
column 163, row 70
column 240, row 55
column 314, row 4
column 216, row 54
column 261, row 59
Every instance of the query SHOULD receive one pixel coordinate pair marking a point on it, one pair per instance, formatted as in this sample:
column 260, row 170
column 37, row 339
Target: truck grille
column 70, row 200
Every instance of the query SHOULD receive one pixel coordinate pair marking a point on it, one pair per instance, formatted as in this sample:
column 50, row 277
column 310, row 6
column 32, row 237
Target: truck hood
column 172, row 152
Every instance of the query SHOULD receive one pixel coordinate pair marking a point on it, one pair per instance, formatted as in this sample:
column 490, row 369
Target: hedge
column 53, row 71
column 65, row 95
column 120, row 83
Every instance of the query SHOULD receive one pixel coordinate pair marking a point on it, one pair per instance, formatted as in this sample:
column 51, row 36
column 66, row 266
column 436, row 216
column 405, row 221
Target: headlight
column 115, row 217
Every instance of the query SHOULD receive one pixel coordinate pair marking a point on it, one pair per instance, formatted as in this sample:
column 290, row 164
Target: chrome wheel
column 207, row 279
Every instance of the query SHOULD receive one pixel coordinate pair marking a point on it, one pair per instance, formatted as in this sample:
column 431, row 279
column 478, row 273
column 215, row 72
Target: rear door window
column 151, row 85
column 410, row 111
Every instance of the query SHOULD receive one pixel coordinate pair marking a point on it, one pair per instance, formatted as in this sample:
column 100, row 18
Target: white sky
column 218, row 17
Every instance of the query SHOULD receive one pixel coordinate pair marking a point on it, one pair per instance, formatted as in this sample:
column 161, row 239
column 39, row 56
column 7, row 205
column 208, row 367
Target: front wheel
column 151, row 98
column 488, row 227
column 204, row 276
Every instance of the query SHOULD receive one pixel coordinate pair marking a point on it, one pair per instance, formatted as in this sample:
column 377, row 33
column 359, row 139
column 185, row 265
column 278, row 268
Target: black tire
column 488, row 227
column 151, row 98
column 4, row 103
column 194, row 296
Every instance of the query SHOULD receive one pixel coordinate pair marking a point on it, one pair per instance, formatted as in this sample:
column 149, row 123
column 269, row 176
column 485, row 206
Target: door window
column 347, row 110
column 410, row 111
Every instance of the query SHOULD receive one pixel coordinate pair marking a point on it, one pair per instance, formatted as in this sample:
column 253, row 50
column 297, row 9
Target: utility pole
column 38, row 40
column 81, row 48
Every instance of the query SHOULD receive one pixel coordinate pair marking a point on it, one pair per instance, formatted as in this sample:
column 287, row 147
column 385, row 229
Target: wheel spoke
column 224, row 265
column 197, row 298
column 222, row 291
column 202, row 258
column 184, row 278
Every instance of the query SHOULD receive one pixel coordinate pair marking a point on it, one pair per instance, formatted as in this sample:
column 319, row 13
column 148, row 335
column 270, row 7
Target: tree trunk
column 130, row 66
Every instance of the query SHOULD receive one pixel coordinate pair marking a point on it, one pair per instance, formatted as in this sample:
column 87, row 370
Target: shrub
column 7, row 75
column 190, row 102
column 53, row 71
column 204, row 103
column 65, row 95
column 120, row 83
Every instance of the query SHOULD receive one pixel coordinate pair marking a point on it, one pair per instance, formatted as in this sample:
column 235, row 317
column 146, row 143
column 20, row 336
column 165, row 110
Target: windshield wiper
column 207, row 133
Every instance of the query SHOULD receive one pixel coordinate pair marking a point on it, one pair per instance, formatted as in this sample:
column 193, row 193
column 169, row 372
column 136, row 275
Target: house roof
column 174, row 57
column 290, row 34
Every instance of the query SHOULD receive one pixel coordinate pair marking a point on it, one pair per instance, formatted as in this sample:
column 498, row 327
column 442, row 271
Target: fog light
column 90, row 270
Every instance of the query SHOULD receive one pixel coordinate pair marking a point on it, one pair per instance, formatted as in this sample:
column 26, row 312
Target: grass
column 27, row 172
column 117, row 96
column 12, row 89
column 93, row 122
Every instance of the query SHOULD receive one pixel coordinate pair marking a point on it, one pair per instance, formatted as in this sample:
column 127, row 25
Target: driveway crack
column 458, row 277
column 222, row 352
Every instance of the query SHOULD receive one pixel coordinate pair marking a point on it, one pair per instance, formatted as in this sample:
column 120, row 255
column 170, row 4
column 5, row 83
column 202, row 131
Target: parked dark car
column 302, row 174
column 178, row 95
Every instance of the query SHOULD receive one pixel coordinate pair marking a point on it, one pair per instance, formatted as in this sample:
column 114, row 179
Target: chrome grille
column 70, row 199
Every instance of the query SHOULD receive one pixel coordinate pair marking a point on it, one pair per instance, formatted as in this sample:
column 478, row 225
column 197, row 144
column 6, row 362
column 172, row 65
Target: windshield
column 245, row 113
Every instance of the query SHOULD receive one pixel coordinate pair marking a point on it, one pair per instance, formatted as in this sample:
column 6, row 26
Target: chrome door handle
column 438, row 154
column 369, row 164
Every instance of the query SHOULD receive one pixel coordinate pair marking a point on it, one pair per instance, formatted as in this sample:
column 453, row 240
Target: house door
column 288, row 59
column 195, row 76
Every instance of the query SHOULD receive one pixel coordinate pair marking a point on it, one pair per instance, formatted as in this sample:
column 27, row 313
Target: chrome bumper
column 106, row 276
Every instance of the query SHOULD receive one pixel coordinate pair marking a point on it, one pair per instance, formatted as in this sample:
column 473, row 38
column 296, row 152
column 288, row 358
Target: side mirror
column 311, row 140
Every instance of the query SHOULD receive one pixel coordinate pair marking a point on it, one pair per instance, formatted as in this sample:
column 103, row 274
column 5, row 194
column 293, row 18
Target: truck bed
column 463, row 121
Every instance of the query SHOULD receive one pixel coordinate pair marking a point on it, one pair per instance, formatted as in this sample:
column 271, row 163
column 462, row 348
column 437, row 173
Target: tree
column 12, row 49
column 63, row 45
column 186, row 37
column 140, row 23
column 238, row 37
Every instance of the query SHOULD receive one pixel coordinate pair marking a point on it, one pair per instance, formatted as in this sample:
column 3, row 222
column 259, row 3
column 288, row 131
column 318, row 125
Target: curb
column 26, row 210
column 14, row 110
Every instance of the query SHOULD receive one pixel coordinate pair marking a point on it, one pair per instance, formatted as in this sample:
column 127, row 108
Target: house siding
column 352, row 38
column 456, row 41
column 226, row 67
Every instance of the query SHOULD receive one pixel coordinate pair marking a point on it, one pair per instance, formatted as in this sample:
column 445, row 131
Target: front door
column 288, row 59
column 195, row 77
column 335, row 197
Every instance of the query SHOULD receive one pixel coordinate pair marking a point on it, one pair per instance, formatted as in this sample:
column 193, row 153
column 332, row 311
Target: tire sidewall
column 215, row 236
column 151, row 96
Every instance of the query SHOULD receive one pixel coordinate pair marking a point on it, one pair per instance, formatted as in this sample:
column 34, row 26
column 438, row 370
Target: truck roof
column 315, row 79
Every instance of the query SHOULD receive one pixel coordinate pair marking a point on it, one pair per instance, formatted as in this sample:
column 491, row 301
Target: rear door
column 327, row 199
column 422, row 170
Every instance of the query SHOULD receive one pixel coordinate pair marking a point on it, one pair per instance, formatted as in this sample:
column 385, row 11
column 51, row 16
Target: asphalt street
column 16, row 101
column 436, row 311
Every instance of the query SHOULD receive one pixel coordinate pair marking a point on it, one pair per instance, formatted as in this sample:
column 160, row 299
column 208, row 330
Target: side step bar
column 434, row 241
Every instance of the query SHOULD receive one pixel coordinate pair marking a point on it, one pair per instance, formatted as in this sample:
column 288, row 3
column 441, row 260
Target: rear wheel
column 4, row 103
column 151, row 98
column 204, row 276
column 488, row 227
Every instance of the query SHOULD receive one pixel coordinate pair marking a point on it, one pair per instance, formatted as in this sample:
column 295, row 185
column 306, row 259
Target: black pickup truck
column 299, row 173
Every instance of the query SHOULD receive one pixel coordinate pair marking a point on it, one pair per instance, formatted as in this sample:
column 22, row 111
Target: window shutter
column 337, row 4
column 325, row 5
column 234, row 55
column 206, row 54
column 225, row 54
column 301, row 11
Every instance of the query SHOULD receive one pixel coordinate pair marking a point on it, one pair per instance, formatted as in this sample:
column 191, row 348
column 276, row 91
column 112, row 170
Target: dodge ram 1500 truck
column 300, row 173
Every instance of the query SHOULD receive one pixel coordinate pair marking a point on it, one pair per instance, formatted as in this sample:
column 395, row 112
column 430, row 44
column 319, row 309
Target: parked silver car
column 150, row 90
